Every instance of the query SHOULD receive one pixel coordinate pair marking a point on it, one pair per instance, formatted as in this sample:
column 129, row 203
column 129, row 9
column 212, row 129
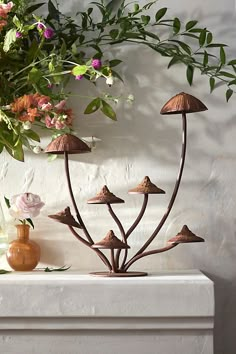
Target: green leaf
column 233, row 82
column 190, row 25
column 16, row 21
column 93, row 106
column 34, row 75
column 226, row 74
column 4, row 271
column 189, row 74
column 145, row 19
column 160, row 13
column 114, row 33
column 228, row 94
column 79, row 70
column 30, row 222
column 183, row 45
column 176, row 25
column 202, row 37
column 209, row 38
column 232, row 62
column 216, row 45
column 222, row 55
column 212, row 82
column 108, row 110
column 7, row 201
column 173, row 61
column 205, row 58
column 16, row 152
column 114, row 62
column 53, row 12
column 10, row 38
column 32, row 135
column 32, row 8
column 61, row 269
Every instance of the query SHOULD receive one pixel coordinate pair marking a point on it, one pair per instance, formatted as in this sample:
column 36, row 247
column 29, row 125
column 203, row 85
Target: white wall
column 141, row 143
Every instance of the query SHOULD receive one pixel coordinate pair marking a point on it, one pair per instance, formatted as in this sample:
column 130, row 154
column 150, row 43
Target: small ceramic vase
column 23, row 254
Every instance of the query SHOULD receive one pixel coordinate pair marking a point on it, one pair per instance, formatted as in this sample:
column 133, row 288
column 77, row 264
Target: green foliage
column 30, row 62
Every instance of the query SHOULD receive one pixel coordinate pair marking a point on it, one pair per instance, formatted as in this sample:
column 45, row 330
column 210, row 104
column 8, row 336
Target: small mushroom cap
column 65, row 217
column 146, row 187
column 67, row 143
column 183, row 103
column 185, row 236
column 110, row 242
column 105, row 197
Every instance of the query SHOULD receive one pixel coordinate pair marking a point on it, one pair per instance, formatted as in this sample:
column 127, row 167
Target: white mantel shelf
column 72, row 313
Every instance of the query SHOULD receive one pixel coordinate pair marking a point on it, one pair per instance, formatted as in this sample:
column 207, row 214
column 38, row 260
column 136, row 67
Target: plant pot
column 23, row 254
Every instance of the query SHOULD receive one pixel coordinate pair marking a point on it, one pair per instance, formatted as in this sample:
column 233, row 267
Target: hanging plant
column 39, row 55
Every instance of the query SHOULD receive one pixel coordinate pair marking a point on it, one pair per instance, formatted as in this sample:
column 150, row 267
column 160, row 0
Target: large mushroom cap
column 146, row 187
column 185, row 236
column 67, row 143
column 105, row 197
column 65, row 217
column 183, row 103
column 110, row 242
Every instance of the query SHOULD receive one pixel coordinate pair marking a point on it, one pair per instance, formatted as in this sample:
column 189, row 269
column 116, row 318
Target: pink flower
column 25, row 206
column 79, row 77
column 3, row 23
column 18, row 34
column 5, row 8
column 48, row 33
column 59, row 125
column 46, row 106
column 96, row 64
column 42, row 101
column 60, row 104
column 49, row 122
column 41, row 26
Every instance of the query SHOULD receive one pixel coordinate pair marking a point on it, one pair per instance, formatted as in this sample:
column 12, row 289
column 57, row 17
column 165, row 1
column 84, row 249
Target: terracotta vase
column 23, row 254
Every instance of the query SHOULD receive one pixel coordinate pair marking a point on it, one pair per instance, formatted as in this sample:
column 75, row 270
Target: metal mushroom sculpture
column 69, row 144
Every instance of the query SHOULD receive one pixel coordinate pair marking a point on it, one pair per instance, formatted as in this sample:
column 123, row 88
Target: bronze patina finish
column 69, row 143
column 146, row 187
column 65, row 217
column 185, row 236
column 180, row 104
column 105, row 197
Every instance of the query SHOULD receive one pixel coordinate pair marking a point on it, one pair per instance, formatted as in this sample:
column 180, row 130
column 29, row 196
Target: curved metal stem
column 114, row 269
column 132, row 228
column 144, row 254
column 122, row 231
column 176, row 188
column 73, row 199
column 86, row 243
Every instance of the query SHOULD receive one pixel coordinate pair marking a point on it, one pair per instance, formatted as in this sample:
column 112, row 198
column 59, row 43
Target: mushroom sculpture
column 68, row 144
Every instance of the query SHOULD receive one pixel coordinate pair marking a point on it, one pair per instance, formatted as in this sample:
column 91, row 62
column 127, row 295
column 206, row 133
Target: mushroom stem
column 73, row 198
column 175, row 191
column 113, row 262
column 144, row 254
column 135, row 224
column 86, row 243
column 122, row 231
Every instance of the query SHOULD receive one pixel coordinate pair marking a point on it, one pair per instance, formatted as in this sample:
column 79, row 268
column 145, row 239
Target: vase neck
column 23, row 232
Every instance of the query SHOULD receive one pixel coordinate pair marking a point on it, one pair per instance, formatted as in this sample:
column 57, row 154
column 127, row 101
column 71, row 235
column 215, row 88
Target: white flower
column 130, row 98
column 25, row 206
column 26, row 125
column 37, row 149
column 110, row 80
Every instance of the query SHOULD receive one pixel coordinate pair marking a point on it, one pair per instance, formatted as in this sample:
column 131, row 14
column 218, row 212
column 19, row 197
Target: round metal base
column 119, row 275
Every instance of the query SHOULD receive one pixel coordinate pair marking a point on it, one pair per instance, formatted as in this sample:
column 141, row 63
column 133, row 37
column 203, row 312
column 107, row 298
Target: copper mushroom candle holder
column 119, row 266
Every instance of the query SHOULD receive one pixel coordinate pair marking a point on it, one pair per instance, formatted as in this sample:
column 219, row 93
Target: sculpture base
column 119, row 275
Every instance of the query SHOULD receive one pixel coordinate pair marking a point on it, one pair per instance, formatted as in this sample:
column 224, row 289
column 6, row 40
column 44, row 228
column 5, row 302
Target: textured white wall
column 141, row 143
